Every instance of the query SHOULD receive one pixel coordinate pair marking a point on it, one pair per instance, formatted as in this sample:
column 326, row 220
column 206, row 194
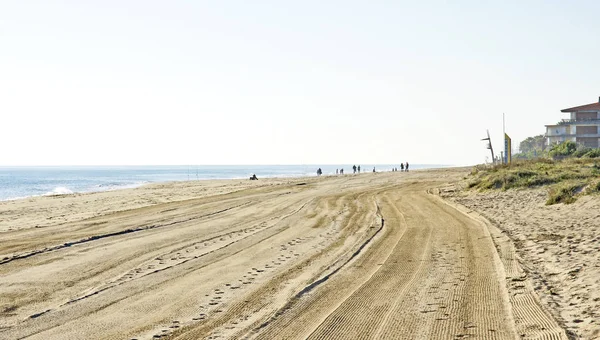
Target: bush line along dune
column 566, row 178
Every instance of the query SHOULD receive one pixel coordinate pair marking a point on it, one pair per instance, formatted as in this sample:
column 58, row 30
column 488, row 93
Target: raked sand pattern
column 378, row 256
column 558, row 246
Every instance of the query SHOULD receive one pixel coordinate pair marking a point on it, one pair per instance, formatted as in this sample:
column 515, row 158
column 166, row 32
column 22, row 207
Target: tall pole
column 489, row 146
column 504, row 160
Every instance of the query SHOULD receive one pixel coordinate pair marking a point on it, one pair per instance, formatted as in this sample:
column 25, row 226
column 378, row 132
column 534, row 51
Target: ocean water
column 21, row 182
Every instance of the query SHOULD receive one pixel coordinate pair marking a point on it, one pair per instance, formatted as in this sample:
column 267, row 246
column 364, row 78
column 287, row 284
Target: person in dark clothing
column 406, row 166
column 341, row 171
column 401, row 166
column 373, row 169
column 253, row 177
column 319, row 172
column 359, row 169
column 354, row 168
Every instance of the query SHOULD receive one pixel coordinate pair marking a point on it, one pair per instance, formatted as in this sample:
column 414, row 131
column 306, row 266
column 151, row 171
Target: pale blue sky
column 282, row 82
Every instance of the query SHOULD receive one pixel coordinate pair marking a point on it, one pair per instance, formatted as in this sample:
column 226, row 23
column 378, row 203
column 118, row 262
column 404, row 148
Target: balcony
column 578, row 135
column 592, row 121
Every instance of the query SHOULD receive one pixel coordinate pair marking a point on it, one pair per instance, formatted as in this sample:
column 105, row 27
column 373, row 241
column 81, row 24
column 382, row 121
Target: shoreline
column 53, row 210
column 90, row 181
column 222, row 257
column 146, row 183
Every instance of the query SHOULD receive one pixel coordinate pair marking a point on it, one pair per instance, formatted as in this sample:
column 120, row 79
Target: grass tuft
column 564, row 193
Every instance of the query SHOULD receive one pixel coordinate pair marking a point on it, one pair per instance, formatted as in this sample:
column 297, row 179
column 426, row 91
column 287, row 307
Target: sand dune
column 370, row 256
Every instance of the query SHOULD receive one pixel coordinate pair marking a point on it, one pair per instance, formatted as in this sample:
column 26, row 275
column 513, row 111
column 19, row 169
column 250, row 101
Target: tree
column 537, row 143
column 532, row 147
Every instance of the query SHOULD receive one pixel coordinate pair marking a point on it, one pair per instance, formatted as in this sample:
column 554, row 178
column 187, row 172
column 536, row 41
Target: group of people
column 341, row 171
column 403, row 167
column 356, row 169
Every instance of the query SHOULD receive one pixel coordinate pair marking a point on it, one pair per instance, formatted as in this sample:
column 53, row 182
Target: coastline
column 34, row 181
column 51, row 210
column 124, row 232
column 167, row 256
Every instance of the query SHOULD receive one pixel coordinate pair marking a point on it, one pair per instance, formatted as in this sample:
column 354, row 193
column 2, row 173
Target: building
column 582, row 126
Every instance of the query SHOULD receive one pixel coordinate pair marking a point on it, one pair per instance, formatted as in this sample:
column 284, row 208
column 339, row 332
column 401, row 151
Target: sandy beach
column 557, row 246
column 383, row 256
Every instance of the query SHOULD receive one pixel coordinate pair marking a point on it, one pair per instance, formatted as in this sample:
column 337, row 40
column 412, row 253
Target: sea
column 23, row 182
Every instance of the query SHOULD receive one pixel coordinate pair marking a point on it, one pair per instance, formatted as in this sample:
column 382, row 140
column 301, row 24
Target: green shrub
column 581, row 151
column 593, row 153
column 563, row 149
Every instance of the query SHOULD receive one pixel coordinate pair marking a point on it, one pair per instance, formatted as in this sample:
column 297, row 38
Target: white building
column 581, row 127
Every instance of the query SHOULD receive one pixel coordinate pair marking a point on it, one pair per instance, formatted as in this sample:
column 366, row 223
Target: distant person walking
column 336, row 171
column 401, row 166
column 406, row 166
column 354, row 168
column 319, row 172
column 359, row 169
column 341, row 171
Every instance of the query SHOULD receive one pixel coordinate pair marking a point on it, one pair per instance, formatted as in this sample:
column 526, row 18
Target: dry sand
column 368, row 256
column 558, row 247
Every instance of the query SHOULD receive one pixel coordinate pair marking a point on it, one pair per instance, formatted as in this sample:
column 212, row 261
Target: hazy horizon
column 212, row 165
column 149, row 82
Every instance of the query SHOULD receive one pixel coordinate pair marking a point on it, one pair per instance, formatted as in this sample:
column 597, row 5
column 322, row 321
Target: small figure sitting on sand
column 253, row 177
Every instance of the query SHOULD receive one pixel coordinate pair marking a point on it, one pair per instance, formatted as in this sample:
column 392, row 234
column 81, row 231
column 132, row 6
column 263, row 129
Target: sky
column 286, row 82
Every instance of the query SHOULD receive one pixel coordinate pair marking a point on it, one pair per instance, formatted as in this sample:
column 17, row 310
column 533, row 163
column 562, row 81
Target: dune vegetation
column 565, row 179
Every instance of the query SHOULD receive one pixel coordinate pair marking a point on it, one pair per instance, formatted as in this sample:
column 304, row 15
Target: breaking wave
column 59, row 191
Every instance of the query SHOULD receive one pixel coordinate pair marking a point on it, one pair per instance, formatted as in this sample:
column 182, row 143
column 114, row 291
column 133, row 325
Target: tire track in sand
column 438, row 282
column 532, row 321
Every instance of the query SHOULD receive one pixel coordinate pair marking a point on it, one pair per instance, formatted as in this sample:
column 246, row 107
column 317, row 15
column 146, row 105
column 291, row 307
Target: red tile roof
column 588, row 107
